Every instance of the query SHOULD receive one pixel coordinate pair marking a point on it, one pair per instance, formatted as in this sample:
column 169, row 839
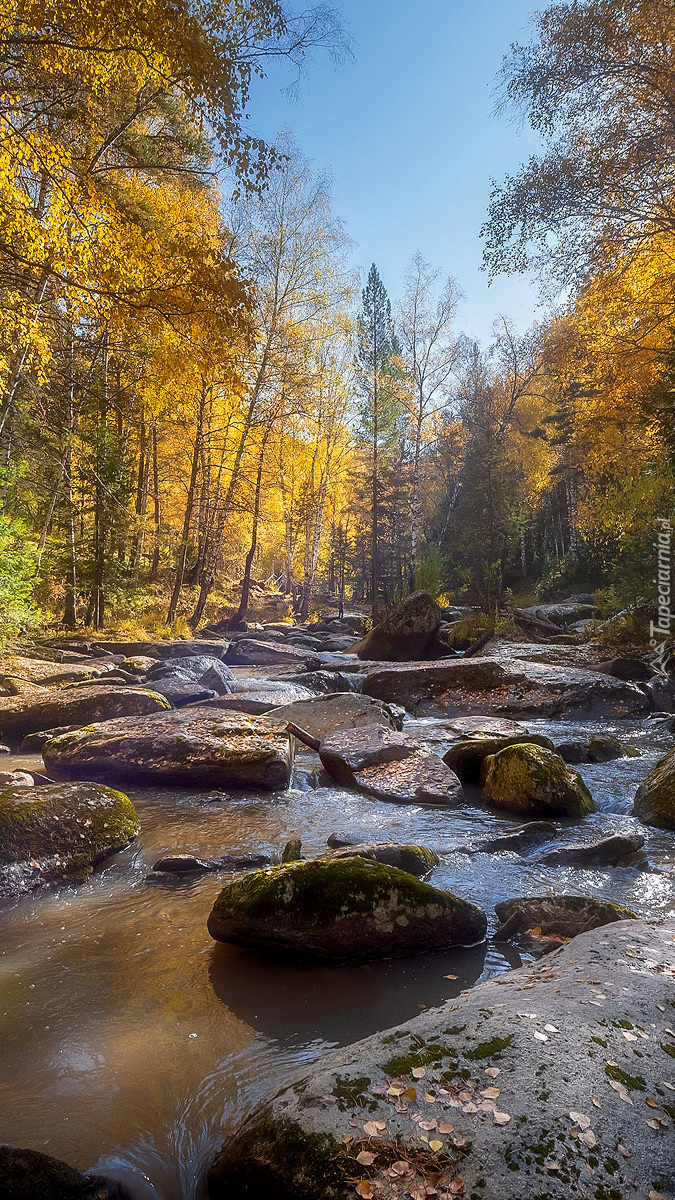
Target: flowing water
column 131, row 1043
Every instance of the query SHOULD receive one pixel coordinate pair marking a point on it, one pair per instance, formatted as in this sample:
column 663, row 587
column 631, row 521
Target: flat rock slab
column 390, row 766
column 193, row 748
column 77, row 706
column 59, row 831
column 179, row 649
column 478, row 685
column 249, row 652
column 341, row 909
column 321, row 715
column 263, row 700
column 513, row 1067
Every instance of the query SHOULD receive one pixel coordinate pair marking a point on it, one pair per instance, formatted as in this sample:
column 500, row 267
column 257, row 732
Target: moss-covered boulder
column 410, row 631
column 30, row 1175
column 76, row 706
column 416, row 860
column 193, row 747
column 342, row 909
column 59, row 831
column 467, row 756
column 539, row 924
column 531, row 779
column 655, row 798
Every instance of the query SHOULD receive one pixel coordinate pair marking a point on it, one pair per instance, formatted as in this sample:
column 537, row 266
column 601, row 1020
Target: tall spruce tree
column 377, row 376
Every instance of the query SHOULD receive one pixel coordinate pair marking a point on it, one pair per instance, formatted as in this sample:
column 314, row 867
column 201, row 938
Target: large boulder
column 565, row 612
column 180, row 689
column 329, row 681
column 322, row 715
column 561, row 917
column 523, row 1088
column 493, row 685
column 176, row 649
column 610, row 851
column 201, row 668
column 31, row 1175
column 526, row 778
column 76, row 706
column 342, row 909
column 410, row 631
column 59, row 831
column 249, row 652
column 192, row 748
column 261, row 700
column 467, row 756
column 655, row 798
column 390, row 766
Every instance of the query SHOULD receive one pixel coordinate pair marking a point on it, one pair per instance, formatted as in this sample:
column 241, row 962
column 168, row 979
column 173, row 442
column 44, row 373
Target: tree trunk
column 240, row 615
column 181, row 561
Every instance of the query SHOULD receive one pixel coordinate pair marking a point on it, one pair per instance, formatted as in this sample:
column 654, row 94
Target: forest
column 196, row 392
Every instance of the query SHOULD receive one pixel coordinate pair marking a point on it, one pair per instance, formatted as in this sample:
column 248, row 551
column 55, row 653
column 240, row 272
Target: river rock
column 538, row 923
column 408, row 632
column 660, row 690
column 632, row 669
column 189, row 864
column 565, row 612
column 529, row 778
column 466, row 757
column 390, row 766
column 462, row 727
column 655, row 798
column 77, row 707
column 249, row 652
column 523, row 838
column 31, row 1175
column 303, row 1141
column 191, row 748
column 180, row 689
column 261, row 700
column 459, row 687
column 330, row 681
column 75, row 674
column 138, row 664
column 16, row 779
column 416, row 860
column 597, row 749
column 607, row 852
column 342, row 909
column 202, row 668
column 176, row 649
column 59, row 831
column 326, row 714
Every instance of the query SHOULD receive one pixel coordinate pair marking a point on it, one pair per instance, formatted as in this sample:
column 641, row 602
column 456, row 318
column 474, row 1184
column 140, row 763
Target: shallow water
column 130, row 1042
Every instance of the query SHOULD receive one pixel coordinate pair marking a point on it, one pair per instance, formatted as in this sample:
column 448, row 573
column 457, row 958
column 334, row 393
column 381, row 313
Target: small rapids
column 131, row 1043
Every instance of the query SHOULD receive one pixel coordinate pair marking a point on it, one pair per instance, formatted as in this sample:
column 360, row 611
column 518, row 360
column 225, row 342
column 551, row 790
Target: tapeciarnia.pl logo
column 659, row 630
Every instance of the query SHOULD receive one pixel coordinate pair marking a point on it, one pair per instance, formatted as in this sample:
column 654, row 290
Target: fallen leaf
column 410, row 1093
column 449, row 976
column 418, row 1072
column 580, row 1119
column 596, row 1102
column 501, row 1118
column 364, row 1188
column 443, row 1127
column 374, row 1128
column 658, row 1123
column 470, row 1107
column 551, row 1029
column 434, row 1144
column 652, row 1103
column 621, row 1090
column 551, row 1166
column 457, row 1187
column 630, row 1037
column 656, row 1196
column 541, row 1037
column 493, row 1072
column 428, row 1125
column 623, row 1150
column 395, row 1091
column 491, row 1093
column 588, row 1138
column 429, row 1098
column 366, row 1158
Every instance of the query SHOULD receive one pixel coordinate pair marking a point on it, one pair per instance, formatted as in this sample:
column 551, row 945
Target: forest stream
column 131, row 1043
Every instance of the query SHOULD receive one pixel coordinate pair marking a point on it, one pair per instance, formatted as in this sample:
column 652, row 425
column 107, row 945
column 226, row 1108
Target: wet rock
column 565, row 612
column 303, row 1140
column 34, row 742
column 660, row 691
column 416, row 860
column 189, row 864
column 390, row 766
column 609, row 851
column 597, row 749
column 192, row 747
column 484, row 727
column 519, row 839
column 632, row 669
column 201, row 668
column 356, row 838
column 655, row 798
column 59, row 831
column 177, row 649
column 406, row 633
column 179, row 690
column 539, row 923
column 249, row 652
column 466, row 757
column 330, row 681
column 342, row 910
column 76, row 707
column 458, row 686
column 30, row 1175
column 322, row 715
column 75, row 674
column 529, row 778
column 16, row 779
column 261, row 700
column 138, row 664
column 292, row 851
column 573, row 752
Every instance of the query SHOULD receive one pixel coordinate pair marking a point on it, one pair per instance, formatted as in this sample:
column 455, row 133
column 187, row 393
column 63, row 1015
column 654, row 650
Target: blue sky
column 408, row 135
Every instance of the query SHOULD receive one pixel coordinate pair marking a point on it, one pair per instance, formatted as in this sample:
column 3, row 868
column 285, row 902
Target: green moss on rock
column 655, row 798
column 531, row 779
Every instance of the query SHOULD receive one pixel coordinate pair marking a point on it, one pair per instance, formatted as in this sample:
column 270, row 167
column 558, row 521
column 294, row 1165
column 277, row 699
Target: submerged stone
column 31, row 1175
column 342, row 909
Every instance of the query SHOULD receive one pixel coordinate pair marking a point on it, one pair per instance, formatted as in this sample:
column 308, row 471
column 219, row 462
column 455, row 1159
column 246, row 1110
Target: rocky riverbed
column 133, row 1044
